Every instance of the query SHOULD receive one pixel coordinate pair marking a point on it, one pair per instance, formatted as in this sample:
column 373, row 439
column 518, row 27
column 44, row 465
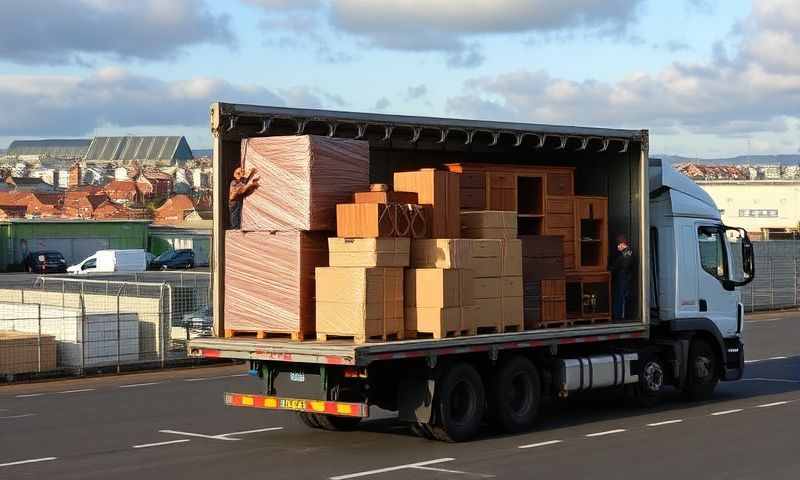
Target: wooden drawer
column 560, row 205
column 503, row 199
column 567, row 233
column 502, row 180
column 473, row 180
column 561, row 220
column 473, row 198
column 554, row 288
column 559, row 184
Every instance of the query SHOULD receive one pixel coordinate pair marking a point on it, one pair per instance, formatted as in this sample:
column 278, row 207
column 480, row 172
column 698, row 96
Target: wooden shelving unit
column 591, row 234
column 588, row 296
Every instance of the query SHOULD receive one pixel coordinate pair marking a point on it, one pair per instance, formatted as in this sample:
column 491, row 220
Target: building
column 145, row 150
column 12, row 211
column 82, row 203
column 29, row 184
column 154, row 184
column 181, row 209
column 75, row 239
column 766, row 209
column 123, row 191
column 52, row 148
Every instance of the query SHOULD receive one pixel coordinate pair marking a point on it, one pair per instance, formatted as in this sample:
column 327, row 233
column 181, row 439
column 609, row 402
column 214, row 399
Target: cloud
column 451, row 27
column 382, row 104
column 68, row 31
column 77, row 105
column 738, row 92
column 416, row 92
column 705, row 7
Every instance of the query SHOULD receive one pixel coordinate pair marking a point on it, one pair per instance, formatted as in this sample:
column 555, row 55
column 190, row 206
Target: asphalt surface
column 172, row 424
column 195, row 276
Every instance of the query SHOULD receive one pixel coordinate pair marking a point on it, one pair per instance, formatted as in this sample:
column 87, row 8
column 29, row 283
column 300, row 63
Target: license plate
column 297, row 376
column 293, row 404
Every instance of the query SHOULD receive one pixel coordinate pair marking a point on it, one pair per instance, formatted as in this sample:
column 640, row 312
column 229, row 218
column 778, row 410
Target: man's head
column 238, row 173
column 622, row 242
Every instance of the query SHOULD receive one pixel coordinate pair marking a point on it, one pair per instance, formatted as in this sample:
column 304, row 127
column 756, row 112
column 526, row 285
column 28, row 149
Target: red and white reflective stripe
column 342, row 409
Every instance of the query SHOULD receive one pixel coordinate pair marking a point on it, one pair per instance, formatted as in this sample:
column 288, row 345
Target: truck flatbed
column 344, row 352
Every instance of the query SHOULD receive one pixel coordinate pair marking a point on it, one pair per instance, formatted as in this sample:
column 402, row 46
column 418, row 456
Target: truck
column 684, row 330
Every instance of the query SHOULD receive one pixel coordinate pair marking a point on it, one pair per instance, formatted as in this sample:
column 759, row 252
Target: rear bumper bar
column 341, row 409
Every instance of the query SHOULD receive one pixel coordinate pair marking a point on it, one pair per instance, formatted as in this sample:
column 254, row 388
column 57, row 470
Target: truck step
column 327, row 337
column 263, row 334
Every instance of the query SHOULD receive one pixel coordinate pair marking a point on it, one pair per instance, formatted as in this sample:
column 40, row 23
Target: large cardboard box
column 369, row 252
column 511, row 286
column 26, row 352
column 365, row 303
column 486, row 266
column 489, row 224
column 512, row 258
column 269, row 280
column 512, row 313
column 487, row 287
column 489, row 313
column 437, row 322
column 302, row 180
column 441, row 253
column 437, row 188
column 438, row 287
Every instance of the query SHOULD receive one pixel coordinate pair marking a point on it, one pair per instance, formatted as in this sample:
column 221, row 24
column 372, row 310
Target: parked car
column 183, row 258
column 46, row 262
column 110, row 261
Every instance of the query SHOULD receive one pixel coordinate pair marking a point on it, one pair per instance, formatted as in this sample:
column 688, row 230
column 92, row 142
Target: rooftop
column 61, row 148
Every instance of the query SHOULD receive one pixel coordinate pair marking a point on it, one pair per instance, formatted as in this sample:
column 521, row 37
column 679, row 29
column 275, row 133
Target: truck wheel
column 647, row 392
column 703, row 371
column 460, row 404
column 516, row 395
column 422, row 430
column 308, row 419
column 334, row 423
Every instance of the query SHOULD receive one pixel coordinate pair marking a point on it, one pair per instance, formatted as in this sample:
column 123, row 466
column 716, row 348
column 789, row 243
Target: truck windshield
column 712, row 252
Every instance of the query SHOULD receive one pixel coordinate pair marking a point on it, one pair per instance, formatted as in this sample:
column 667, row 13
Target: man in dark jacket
column 240, row 187
column 622, row 277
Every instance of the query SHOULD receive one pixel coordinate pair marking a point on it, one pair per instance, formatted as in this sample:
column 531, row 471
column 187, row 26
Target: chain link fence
column 63, row 326
column 777, row 282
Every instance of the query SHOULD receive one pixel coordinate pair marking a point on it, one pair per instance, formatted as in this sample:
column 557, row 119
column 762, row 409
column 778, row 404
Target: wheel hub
column 653, row 376
column 702, row 367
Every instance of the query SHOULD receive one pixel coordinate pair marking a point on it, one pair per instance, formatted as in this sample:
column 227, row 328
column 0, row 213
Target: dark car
column 172, row 259
column 46, row 262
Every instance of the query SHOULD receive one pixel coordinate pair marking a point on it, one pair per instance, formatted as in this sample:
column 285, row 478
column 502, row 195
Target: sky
column 708, row 78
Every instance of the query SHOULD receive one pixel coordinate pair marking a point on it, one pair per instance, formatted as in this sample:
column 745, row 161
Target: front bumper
column 734, row 359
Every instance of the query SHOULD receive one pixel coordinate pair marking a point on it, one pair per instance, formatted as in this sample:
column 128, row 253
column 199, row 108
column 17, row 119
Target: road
column 172, row 424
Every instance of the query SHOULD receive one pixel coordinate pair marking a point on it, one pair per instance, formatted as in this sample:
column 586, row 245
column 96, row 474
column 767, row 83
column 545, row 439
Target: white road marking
column 454, row 472
column 270, row 429
column 29, row 395
column 773, row 404
column 158, row 444
column 780, row 357
column 608, row 432
column 200, row 379
column 540, row 444
column 33, row 460
column 665, row 422
column 78, row 390
column 18, row 416
column 200, row 435
column 762, row 379
column 766, row 320
column 132, row 385
column 240, row 375
column 726, row 412
column 391, row 469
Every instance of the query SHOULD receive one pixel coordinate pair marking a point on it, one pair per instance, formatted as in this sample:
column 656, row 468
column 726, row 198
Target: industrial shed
column 52, row 148
column 160, row 150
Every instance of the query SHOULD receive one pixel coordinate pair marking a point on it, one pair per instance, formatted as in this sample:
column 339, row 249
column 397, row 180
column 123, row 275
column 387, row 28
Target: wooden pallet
column 358, row 338
column 414, row 334
column 576, row 322
column 513, row 328
column 263, row 334
column 486, row 330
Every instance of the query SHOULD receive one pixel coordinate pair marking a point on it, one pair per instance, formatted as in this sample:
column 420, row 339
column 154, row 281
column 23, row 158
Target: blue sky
column 708, row 77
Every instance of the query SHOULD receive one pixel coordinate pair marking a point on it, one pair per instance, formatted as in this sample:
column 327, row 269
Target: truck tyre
column 334, row 423
column 652, row 375
column 308, row 419
column 516, row 395
column 460, row 404
column 422, row 430
column 702, row 371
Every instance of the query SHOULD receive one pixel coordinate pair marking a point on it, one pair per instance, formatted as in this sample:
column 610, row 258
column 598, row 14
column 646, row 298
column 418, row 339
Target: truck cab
column 697, row 265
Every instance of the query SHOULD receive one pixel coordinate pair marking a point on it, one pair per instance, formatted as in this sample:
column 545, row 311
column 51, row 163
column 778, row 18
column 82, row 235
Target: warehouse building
column 75, row 239
column 65, row 149
column 145, row 150
column 767, row 209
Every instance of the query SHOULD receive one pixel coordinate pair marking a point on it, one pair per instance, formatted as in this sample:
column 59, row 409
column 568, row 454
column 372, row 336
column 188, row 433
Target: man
column 622, row 277
column 240, row 187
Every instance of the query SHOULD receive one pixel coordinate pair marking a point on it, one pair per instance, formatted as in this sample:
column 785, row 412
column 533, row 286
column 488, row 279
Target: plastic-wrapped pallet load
column 269, row 282
column 362, row 303
column 302, row 178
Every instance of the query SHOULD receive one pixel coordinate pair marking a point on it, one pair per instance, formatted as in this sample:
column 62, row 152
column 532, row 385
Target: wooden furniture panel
column 553, row 301
column 560, row 220
column 502, row 180
column 473, row 180
column 588, row 296
column 502, row 199
column 560, row 183
column 560, row 205
column 473, row 198
column 591, row 233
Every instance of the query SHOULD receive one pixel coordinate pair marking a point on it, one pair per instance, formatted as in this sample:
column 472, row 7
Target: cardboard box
column 512, row 313
column 511, row 287
column 512, row 258
column 441, row 253
column 437, row 188
column 486, row 248
column 489, row 313
column 369, row 252
column 486, row 266
column 386, row 197
column 269, row 280
column 438, row 322
column 488, row 219
column 438, row 287
column 26, row 352
column 487, row 287
column 361, row 302
column 541, row 246
column 302, row 178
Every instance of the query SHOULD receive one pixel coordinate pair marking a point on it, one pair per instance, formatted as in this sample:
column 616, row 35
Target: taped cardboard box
column 26, row 352
column 363, row 303
column 441, row 253
column 512, row 314
column 512, row 258
column 486, row 266
column 439, row 189
column 434, row 322
column 488, row 314
column 302, row 178
column 438, row 287
column 369, row 252
column 489, row 224
column 511, row 286
column 269, row 280
column 487, row 287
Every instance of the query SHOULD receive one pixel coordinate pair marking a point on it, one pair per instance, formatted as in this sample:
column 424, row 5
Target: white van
column 110, row 261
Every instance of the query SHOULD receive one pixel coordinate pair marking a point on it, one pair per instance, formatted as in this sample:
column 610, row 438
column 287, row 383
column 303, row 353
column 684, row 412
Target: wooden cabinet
column 591, row 230
column 588, row 296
